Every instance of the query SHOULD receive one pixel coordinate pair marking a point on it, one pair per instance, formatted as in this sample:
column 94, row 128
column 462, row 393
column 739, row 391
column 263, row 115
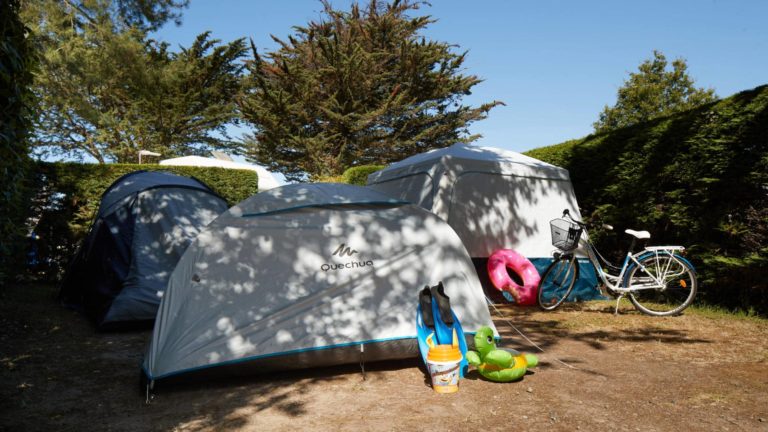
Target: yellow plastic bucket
column 443, row 363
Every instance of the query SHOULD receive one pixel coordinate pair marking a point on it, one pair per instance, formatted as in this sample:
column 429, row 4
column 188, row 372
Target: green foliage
column 70, row 194
column 359, row 175
column 357, row 87
column 147, row 15
column 355, row 175
column 558, row 154
column 719, row 313
column 106, row 90
column 328, row 179
column 16, row 63
column 653, row 92
column 697, row 178
column 144, row 14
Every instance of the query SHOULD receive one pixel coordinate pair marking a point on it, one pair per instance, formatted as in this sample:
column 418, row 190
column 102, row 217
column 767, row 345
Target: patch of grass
column 596, row 314
column 719, row 312
column 702, row 310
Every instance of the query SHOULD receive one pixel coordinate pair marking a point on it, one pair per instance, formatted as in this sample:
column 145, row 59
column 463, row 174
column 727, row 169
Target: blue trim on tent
column 271, row 212
column 278, row 354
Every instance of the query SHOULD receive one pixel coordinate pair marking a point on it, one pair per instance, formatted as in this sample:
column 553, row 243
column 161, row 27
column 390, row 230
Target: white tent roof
column 493, row 198
column 464, row 157
column 466, row 151
column 266, row 179
column 298, row 196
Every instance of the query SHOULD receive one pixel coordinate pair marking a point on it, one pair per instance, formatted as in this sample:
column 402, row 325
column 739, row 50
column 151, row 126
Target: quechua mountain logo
column 344, row 251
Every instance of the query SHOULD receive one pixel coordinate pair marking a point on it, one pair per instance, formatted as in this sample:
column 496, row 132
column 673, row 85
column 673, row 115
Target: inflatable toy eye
column 490, row 339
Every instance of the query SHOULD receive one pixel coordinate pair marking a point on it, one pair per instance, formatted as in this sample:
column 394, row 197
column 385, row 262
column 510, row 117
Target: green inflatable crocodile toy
column 497, row 364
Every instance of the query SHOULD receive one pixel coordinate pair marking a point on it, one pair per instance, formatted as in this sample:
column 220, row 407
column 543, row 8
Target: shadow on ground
column 547, row 332
column 57, row 373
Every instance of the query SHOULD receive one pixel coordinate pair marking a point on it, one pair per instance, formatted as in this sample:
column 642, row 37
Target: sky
column 555, row 64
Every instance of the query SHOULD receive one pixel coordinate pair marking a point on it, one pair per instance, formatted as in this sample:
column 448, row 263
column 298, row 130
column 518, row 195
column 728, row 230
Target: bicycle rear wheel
column 557, row 282
column 678, row 284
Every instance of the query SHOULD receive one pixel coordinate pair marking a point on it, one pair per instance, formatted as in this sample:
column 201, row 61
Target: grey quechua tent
column 308, row 275
column 144, row 223
column 493, row 198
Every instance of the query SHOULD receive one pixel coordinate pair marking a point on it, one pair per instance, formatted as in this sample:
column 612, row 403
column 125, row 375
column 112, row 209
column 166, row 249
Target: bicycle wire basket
column 565, row 234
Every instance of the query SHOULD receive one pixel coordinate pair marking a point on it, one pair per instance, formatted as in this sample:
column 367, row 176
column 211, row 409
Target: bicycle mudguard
column 625, row 281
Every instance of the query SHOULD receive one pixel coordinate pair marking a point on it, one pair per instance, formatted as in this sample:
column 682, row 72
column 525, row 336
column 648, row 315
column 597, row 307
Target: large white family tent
column 144, row 223
column 308, row 275
column 493, row 198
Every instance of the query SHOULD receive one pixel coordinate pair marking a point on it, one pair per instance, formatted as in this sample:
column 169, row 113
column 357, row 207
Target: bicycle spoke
column 557, row 282
column 662, row 285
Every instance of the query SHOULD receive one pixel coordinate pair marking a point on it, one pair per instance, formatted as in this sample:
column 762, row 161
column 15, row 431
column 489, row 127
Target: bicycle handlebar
column 567, row 213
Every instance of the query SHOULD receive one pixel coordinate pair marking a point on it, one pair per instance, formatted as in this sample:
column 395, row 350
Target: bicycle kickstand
column 618, row 299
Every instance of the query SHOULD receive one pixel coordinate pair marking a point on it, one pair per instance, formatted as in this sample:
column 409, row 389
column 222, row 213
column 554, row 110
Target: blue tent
column 145, row 222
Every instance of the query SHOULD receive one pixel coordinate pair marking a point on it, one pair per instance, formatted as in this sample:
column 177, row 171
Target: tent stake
column 149, row 395
column 362, row 360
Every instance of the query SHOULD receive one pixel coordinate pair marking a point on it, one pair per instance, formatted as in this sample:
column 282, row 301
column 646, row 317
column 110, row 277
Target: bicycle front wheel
column 663, row 284
column 557, row 282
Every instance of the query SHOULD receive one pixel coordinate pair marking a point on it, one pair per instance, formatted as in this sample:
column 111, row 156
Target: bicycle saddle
column 640, row 235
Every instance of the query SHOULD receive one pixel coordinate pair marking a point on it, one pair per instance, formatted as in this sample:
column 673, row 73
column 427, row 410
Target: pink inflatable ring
column 500, row 261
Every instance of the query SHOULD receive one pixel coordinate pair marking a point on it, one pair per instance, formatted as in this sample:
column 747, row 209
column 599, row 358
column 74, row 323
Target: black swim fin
column 425, row 301
column 443, row 303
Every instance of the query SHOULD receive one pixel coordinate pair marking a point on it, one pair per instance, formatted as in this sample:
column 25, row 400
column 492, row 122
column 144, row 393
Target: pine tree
column 354, row 88
column 653, row 92
column 106, row 90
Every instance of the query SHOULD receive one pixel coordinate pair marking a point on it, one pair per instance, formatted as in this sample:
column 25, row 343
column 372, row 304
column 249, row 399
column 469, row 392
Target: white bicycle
column 658, row 280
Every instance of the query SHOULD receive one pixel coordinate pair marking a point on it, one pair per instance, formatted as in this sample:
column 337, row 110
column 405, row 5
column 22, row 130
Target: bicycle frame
column 653, row 278
column 614, row 282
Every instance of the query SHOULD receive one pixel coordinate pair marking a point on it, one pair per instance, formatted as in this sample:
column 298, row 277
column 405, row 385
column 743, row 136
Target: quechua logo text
column 344, row 251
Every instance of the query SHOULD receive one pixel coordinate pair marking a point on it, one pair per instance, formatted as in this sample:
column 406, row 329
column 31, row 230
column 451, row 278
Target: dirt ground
column 627, row 372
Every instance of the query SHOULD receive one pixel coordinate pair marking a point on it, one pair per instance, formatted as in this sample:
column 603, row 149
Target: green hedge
column 70, row 193
column 698, row 178
column 355, row 176
column 16, row 63
column 359, row 175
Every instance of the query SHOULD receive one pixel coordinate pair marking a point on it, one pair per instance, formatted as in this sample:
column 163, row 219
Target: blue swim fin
column 425, row 324
column 444, row 331
column 462, row 345
column 422, row 333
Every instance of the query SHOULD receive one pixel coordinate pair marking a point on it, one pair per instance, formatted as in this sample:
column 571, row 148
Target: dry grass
column 700, row 371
